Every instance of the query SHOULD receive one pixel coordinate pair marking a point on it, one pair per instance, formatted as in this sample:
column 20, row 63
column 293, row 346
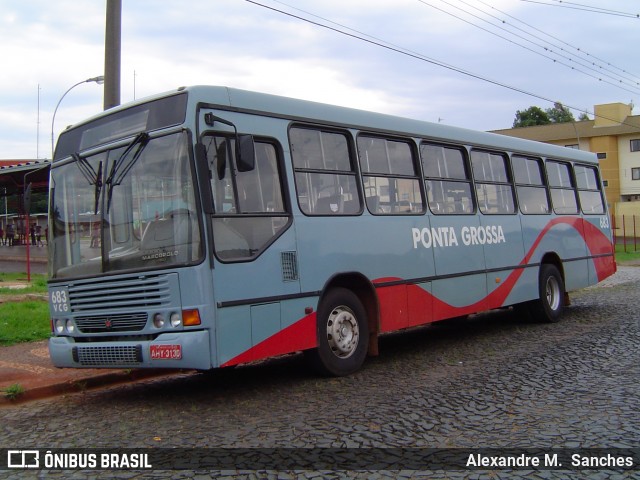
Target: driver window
column 250, row 211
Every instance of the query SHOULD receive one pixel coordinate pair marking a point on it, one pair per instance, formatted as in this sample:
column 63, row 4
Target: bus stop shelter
column 14, row 178
column 15, row 181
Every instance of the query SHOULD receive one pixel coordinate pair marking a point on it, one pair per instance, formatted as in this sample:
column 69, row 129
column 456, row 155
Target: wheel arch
column 364, row 289
column 552, row 258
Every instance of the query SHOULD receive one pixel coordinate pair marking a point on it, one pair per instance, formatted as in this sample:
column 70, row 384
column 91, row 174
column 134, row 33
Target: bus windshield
column 128, row 207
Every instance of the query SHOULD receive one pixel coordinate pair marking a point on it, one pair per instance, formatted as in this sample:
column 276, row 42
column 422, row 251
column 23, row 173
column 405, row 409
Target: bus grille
column 123, row 322
column 134, row 292
column 114, row 355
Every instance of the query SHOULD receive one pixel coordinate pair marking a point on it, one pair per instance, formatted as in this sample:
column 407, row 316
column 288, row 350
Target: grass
column 38, row 283
column 24, row 320
column 13, row 391
column 629, row 255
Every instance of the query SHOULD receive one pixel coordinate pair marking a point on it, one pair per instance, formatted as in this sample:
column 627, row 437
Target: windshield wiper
column 120, row 169
column 93, row 177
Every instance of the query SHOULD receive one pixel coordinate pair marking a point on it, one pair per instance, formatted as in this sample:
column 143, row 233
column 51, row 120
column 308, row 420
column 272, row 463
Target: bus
column 209, row 227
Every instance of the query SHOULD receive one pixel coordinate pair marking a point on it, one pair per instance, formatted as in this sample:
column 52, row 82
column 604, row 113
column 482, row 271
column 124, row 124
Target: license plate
column 166, row 352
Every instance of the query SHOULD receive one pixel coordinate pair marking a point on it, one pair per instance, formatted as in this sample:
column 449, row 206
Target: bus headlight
column 176, row 319
column 70, row 326
column 59, row 325
column 158, row 320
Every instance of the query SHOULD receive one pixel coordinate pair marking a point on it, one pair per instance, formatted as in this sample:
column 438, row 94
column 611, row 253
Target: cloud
column 54, row 45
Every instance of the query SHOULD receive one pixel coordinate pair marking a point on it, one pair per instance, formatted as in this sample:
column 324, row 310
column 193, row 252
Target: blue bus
column 208, row 227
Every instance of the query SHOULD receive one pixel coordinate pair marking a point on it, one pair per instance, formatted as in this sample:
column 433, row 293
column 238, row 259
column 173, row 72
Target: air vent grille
column 289, row 266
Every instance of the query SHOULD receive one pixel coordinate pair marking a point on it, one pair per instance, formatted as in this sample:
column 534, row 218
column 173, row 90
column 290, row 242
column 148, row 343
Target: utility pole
column 38, row 128
column 112, row 54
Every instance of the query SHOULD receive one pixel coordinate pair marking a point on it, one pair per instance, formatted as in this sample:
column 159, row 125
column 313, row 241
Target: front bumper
column 195, row 352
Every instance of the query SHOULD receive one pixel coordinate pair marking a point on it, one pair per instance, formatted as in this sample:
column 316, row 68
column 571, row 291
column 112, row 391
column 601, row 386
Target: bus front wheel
column 551, row 290
column 343, row 334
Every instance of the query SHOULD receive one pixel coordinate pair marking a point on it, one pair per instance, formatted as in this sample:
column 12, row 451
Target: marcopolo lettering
column 160, row 255
column 448, row 237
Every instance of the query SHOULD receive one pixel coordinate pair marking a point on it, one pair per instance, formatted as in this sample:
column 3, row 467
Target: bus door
column 255, row 262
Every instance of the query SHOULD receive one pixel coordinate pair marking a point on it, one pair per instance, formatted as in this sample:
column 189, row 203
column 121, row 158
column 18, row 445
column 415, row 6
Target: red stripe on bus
column 404, row 305
column 597, row 244
column 300, row 335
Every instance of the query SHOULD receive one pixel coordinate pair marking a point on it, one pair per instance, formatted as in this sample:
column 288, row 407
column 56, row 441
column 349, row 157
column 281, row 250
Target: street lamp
column 99, row 80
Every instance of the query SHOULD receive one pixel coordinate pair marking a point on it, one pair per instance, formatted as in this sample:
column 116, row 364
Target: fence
column 626, row 232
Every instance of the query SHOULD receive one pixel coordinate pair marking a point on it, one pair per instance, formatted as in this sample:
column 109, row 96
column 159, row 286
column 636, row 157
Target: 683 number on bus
column 59, row 299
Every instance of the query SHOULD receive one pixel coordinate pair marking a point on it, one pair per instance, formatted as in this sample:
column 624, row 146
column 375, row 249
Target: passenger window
column 493, row 188
column 530, row 187
column 391, row 182
column 447, row 180
column 249, row 206
column 589, row 191
column 324, row 173
column 563, row 194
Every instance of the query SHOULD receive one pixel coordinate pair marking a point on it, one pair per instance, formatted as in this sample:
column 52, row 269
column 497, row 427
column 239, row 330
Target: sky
column 467, row 63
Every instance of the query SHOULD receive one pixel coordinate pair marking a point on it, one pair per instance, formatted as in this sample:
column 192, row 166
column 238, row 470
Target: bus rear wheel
column 551, row 294
column 343, row 334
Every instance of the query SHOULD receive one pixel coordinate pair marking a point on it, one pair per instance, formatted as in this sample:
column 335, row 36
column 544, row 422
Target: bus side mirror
column 246, row 153
column 204, row 177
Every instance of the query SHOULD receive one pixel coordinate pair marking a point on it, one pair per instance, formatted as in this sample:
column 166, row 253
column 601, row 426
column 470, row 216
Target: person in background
column 10, row 234
column 39, row 236
column 95, row 235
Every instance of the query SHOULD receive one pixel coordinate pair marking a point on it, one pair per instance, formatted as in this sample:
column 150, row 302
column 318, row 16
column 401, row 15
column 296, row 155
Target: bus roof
column 248, row 101
column 303, row 110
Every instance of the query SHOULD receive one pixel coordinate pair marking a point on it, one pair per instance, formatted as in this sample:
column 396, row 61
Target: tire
column 550, row 303
column 343, row 334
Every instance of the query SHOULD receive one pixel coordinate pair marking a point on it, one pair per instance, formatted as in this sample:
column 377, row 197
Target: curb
column 24, row 259
column 84, row 384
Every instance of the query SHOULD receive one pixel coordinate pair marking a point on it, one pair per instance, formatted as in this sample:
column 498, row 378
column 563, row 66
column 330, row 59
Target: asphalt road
column 491, row 381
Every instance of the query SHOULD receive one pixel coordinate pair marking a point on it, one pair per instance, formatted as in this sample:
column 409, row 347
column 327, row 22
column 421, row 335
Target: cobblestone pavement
column 493, row 380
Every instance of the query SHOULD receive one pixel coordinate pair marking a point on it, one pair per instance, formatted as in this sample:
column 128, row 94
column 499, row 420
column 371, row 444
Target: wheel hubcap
column 342, row 332
column 553, row 293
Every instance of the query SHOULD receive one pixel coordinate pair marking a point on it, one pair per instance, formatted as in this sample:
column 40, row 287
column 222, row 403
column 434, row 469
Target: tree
column 536, row 116
column 39, row 202
column 530, row 117
column 559, row 114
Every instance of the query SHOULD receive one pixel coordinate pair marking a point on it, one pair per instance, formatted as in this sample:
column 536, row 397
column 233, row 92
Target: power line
column 389, row 46
column 585, row 8
column 620, row 79
column 579, row 65
column 630, row 76
column 401, row 50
